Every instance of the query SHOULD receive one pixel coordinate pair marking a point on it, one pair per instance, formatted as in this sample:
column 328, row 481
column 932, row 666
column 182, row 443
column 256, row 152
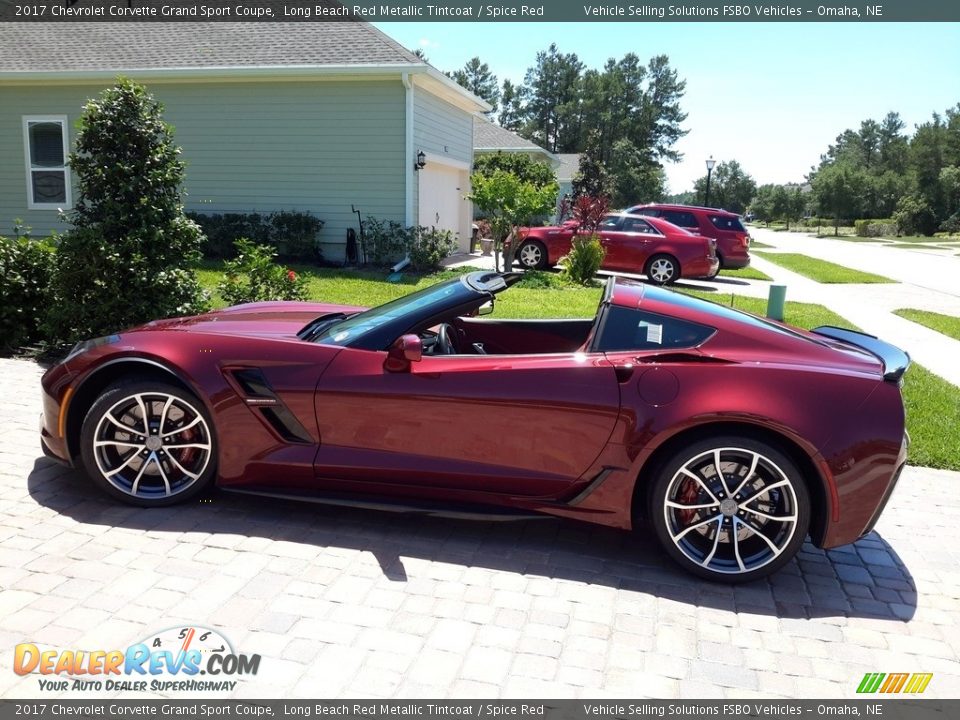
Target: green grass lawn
column 946, row 324
column 747, row 273
column 933, row 413
column 821, row 270
column 761, row 245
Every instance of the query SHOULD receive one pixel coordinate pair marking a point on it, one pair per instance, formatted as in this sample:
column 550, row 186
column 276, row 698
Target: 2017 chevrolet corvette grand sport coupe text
column 734, row 437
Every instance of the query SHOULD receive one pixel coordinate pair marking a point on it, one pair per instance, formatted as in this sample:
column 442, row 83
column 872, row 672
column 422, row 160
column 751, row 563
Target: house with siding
column 318, row 117
column 489, row 137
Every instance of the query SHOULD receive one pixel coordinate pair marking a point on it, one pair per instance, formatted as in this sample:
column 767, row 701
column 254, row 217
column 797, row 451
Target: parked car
column 733, row 436
column 733, row 240
column 651, row 246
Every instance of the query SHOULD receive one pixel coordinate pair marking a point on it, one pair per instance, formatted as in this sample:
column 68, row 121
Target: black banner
column 473, row 11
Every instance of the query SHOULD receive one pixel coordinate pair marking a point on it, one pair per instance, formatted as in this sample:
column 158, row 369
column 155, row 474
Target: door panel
column 518, row 425
column 626, row 251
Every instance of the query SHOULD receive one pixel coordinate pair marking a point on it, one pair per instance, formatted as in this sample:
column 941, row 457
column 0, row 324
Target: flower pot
column 486, row 246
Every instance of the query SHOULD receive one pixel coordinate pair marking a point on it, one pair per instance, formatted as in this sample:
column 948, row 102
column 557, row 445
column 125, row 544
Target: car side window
column 629, row 329
column 636, row 225
column 610, row 223
column 681, row 218
column 651, row 212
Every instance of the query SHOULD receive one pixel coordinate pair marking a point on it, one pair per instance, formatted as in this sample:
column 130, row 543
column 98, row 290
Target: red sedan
column 734, row 437
column 643, row 245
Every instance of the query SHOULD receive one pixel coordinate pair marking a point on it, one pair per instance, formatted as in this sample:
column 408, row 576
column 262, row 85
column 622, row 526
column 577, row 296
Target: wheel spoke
column 679, row 536
column 681, row 506
column 143, row 411
column 166, row 481
column 716, row 542
column 189, row 425
column 118, row 443
column 126, row 462
column 778, row 518
column 182, row 469
column 716, row 465
column 700, row 482
column 202, row 446
column 768, row 541
column 126, row 428
column 750, row 472
column 136, row 480
column 736, row 545
column 764, row 490
column 163, row 414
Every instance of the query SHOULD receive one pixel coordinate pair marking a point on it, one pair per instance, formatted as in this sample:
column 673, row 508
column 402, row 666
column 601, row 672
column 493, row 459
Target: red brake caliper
column 687, row 496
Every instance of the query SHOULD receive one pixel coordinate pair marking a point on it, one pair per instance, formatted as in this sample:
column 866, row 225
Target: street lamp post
column 710, row 163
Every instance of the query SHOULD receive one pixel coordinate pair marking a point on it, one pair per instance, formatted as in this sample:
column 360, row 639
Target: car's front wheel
column 148, row 443
column 662, row 269
column 731, row 509
column 532, row 255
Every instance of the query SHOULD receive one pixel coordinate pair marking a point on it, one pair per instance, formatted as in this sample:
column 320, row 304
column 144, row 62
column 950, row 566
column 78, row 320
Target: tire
column 735, row 527
column 662, row 269
column 170, row 458
column 532, row 255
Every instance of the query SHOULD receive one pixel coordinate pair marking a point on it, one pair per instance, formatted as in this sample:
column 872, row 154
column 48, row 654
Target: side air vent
column 258, row 394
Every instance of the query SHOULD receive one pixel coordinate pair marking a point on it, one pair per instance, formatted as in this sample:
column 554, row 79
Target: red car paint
column 630, row 241
column 543, row 423
column 733, row 240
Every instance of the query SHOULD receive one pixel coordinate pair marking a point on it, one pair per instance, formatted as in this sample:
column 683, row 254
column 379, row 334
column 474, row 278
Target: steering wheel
column 445, row 340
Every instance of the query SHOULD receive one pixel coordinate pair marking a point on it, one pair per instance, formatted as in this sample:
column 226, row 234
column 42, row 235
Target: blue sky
column 771, row 95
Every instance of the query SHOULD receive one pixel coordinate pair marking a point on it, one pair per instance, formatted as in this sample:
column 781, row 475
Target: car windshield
column 360, row 324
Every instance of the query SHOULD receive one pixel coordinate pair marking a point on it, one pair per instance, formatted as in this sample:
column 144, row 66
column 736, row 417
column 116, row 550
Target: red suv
column 733, row 241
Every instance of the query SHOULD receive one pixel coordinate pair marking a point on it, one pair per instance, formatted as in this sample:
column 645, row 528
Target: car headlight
column 85, row 345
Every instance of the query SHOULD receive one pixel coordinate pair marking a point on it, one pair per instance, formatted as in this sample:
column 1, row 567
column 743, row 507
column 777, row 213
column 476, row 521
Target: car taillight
column 745, row 240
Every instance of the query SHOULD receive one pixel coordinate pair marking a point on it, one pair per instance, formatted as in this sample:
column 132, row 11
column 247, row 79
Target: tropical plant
column 253, row 276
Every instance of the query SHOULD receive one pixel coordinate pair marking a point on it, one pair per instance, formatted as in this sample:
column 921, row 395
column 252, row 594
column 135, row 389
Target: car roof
column 671, row 206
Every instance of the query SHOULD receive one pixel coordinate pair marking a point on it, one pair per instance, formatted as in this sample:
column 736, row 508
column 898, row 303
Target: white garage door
column 441, row 200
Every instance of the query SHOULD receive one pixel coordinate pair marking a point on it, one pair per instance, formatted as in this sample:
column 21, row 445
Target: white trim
column 64, row 136
column 408, row 171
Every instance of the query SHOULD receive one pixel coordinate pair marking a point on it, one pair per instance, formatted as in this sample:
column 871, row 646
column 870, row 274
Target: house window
column 45, row 147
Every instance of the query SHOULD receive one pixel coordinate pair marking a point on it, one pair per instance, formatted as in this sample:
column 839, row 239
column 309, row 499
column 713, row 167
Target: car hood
column 278, row 319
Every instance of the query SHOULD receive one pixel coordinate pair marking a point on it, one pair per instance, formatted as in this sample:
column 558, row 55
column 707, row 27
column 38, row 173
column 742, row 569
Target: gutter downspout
column 408, row 173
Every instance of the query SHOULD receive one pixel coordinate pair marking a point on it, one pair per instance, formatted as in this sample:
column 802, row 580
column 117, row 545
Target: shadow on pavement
column 815, row 584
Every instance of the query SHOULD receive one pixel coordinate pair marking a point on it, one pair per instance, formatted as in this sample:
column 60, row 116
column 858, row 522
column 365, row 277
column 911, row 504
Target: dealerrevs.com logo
column 907, row 683
column 168, row 661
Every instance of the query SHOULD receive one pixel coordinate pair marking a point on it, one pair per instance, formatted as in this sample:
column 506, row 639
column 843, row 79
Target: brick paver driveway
column 355, row 603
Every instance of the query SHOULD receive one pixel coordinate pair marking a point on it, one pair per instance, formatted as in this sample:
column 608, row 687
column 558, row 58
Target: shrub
column 123, row 262
column 292, row 234
column 430, row 246
column 875, row 228
column 25, row 269
column 385, row 241
column 584, row 259
column 253, row 276
column 914, row 216
column 951, row 225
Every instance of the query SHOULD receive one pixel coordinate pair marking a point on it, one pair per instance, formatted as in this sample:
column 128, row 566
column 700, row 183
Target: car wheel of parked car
column 532, row 255
column 662, row 269
column 148, row 443
column 716, row 272
column 731, row 508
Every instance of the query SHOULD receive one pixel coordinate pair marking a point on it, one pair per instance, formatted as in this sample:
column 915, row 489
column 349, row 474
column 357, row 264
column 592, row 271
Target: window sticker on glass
column 654, row 332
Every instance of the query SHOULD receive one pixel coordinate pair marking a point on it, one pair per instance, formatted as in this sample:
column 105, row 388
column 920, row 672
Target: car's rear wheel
column 532, row 255
column 731, row 509
column 662, row 269
column 716, row 272
column 148, row 443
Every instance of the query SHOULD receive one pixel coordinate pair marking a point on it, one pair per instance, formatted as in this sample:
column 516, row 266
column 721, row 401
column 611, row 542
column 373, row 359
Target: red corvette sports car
column 732, row 436
column 643, row 245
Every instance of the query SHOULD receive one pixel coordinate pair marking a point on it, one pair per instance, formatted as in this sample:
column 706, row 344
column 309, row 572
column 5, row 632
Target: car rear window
column 629, row 329
column 727, row 222
column 680, row 217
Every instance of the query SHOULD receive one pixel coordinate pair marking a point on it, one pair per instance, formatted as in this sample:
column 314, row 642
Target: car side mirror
column 405, row 350
column 486, row 308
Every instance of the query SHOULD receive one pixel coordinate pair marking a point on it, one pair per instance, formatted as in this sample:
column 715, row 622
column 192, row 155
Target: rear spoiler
column 895, row 361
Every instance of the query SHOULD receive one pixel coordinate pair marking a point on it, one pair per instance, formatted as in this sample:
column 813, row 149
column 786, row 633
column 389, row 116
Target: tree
column 763, row 204
column 731, row 188
column 592, row 178
column 509, row 203
column 523, row 166
column 634, row 179
column 837, row 190
column 127, row 258
column 551, row 90
column 512, row 110
column 476, row 77
column 419, row 52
